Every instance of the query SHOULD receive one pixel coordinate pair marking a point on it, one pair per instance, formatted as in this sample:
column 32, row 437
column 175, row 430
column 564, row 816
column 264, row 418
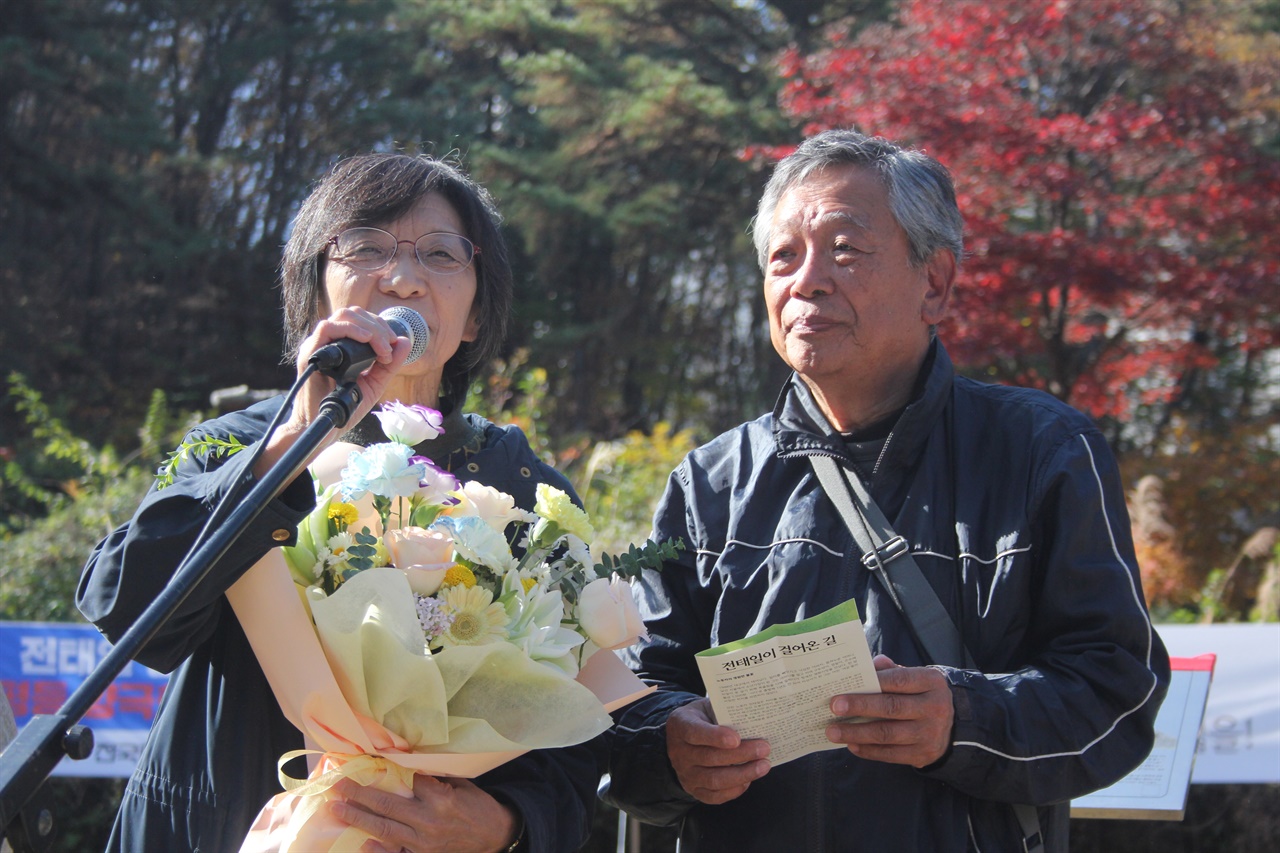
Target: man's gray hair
column 922, row 196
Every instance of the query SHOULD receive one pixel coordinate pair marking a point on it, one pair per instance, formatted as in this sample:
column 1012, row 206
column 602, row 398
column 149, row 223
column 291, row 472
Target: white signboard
column 1240, row 736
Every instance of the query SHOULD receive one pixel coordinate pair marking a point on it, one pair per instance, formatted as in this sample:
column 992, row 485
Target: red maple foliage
column 1121, row 218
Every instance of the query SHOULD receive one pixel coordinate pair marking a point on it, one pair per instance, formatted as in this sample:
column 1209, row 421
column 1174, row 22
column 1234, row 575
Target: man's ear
column 941, row 272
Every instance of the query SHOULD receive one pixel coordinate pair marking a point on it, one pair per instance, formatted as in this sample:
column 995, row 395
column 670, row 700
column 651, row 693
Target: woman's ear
column 472, row 329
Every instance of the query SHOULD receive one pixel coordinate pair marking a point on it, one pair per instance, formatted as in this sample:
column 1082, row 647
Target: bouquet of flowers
column 431, row 626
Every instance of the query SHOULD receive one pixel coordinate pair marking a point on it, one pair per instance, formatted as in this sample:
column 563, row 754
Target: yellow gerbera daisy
column 477, row 618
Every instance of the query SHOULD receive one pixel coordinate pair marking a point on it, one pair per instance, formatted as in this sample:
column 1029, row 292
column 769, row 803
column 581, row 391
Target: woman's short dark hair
column 375, row 190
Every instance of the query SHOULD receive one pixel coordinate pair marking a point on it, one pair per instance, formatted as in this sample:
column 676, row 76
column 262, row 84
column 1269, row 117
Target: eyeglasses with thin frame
column 371, row 249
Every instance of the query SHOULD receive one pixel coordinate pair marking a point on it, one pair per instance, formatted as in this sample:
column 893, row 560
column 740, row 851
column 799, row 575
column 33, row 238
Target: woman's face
column 446, row 302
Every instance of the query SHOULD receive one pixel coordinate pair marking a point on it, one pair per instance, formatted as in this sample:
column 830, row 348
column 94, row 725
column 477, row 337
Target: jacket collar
column 800, row 428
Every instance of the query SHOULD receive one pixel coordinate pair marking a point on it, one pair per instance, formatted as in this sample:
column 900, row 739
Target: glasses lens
column 365, row 248
column 444, row 253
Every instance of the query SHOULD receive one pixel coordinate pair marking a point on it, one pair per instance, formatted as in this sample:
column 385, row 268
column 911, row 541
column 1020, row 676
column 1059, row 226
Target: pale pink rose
column 495, row 508
column 608, row 613
column 423, row 555
column 417, row 546
column 426, row 580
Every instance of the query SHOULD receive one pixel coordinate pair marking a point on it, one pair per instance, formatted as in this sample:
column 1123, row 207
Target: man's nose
column 813, row 276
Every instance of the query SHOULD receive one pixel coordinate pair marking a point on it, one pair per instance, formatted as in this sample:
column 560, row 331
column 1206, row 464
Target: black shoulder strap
column 888, row 556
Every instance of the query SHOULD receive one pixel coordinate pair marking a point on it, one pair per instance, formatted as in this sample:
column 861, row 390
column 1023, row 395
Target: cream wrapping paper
column 377, row 708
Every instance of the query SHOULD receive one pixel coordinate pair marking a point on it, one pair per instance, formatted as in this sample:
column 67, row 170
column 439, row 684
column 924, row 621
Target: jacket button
column 280, row 535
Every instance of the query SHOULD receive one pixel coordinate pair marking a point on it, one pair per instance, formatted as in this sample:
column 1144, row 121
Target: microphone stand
column 29, row 759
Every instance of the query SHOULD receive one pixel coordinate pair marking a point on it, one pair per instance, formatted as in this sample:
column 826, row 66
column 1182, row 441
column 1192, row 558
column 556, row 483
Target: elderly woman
column 379, row 231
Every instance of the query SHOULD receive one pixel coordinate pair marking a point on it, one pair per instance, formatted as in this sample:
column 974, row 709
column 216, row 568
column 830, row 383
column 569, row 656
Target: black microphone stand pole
column 46, row 738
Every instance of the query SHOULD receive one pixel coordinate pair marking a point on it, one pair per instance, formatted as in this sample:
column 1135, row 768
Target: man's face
column 844, row 302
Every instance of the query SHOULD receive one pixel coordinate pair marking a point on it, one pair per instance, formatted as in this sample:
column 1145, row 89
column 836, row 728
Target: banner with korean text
column 42, row 663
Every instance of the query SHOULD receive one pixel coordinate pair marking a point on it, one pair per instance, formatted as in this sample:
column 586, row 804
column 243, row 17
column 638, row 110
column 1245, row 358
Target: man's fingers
column 905, row 691
column 714, row 785
column 910, row 679
column 374, row 824
column 692, row 724
column 908, row 723
column 872, row 732
column 712, row 762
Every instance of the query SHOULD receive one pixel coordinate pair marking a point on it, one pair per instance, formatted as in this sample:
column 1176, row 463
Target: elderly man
column 1010, row 505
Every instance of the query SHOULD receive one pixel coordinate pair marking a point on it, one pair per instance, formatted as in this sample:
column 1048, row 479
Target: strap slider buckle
column 889, row 551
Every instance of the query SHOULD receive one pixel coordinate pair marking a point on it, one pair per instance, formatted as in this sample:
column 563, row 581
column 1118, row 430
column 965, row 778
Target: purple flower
column 410, row 424
column 433, row 616
column 436, row 484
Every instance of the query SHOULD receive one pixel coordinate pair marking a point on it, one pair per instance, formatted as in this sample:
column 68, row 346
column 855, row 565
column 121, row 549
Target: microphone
column 344, row 360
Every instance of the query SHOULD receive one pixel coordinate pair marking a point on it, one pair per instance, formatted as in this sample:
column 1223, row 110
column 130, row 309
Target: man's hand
column 712, row 762
column 442, row 815
column 911, row 718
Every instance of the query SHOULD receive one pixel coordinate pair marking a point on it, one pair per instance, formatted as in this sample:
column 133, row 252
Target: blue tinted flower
column 383, row 469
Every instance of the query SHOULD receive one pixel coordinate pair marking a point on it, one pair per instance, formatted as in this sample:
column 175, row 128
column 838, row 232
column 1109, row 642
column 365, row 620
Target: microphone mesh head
column 409, row 324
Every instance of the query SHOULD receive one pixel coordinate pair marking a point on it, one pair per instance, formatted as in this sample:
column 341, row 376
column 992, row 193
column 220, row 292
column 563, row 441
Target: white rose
column 497, row 509
column 608, row 613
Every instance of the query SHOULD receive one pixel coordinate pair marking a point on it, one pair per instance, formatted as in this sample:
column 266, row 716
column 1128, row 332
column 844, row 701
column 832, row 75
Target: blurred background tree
column 1117, row 172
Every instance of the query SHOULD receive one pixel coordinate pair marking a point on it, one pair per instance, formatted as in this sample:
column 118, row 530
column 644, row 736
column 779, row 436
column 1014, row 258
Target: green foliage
column 620, row 482
column 630, row 564
column 43, row 560
column 210, row 447
column 515, row 392
column 19, row 494
column 1211, row 602
column 48, row 464
column 634, row 561
column 157, row 428
column 59, row 499
column 362, row 553
column 59, row 443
